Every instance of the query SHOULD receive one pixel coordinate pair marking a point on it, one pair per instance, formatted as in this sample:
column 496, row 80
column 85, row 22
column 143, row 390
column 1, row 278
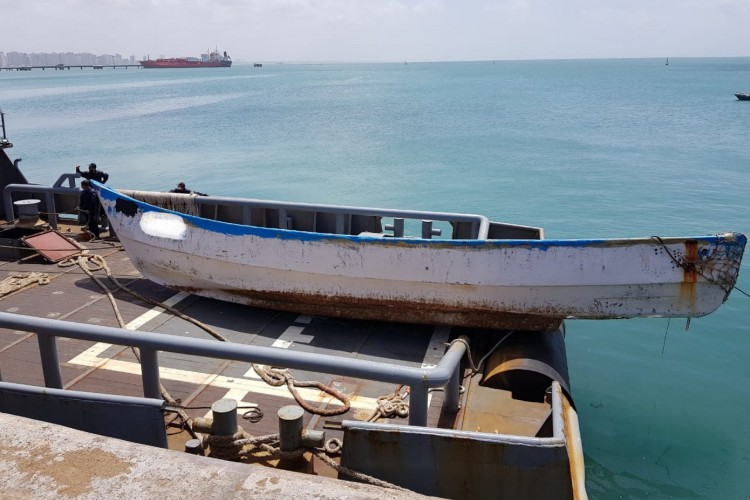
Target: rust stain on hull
column 385, row 310
column 688, row 291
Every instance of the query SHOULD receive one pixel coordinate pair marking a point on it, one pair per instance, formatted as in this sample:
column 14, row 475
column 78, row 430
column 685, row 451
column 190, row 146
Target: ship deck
column 72, row 295
column 75, row 294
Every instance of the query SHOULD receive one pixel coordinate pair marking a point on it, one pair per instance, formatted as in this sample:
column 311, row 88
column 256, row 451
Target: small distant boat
column 667, row 63
column 362, row 263
column 742, row 96
column 210, row 60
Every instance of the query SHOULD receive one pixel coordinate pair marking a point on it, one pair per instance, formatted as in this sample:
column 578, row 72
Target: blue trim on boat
column 233, row 229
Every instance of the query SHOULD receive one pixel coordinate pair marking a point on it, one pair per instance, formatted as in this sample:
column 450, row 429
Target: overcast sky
column 380, row 30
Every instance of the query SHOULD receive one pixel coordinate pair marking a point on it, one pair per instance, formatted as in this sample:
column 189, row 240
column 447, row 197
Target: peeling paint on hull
column 516, row 284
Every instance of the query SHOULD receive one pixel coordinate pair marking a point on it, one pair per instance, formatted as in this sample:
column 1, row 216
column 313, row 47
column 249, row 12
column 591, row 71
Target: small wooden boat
column 742, row 96
column 361, row 263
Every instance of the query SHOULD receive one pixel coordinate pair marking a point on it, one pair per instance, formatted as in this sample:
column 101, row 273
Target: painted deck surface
column 71, row 295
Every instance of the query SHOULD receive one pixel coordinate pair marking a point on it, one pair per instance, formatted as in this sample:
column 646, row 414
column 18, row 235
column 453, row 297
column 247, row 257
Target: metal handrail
column 559, row 437
column 446, row 374
column 48, row 193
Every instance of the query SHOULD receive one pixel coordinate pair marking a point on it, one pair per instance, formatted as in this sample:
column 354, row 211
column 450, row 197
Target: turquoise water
column 585, row 149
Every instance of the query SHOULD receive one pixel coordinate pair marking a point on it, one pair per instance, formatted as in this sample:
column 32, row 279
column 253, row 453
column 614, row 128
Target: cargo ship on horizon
column 211, row 60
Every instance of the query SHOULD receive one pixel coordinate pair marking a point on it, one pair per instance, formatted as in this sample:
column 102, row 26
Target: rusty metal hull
column 491, row 283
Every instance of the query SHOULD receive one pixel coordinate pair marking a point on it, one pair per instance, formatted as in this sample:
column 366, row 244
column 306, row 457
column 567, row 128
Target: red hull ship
column 212, row 60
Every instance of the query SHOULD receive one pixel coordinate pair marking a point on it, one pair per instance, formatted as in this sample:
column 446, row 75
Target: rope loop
column 333, row 446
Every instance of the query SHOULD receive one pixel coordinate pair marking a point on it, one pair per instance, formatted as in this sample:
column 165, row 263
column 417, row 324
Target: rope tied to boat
column 478, row 367
column 699, row 265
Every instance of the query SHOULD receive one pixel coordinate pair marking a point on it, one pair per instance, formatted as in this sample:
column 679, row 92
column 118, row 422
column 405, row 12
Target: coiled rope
column 22, row 281
column 392, row 405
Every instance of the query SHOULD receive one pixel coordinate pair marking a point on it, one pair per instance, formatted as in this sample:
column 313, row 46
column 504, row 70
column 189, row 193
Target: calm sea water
column 582, row 148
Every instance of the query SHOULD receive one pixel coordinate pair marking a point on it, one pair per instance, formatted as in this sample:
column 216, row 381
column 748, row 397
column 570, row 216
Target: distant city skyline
column 382, row 30
column 15, row 59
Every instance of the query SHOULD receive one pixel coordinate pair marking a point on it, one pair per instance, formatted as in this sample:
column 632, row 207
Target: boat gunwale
column 726, row 238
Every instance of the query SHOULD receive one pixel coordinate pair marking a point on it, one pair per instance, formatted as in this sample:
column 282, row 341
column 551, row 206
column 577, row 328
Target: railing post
column 49, row 200
column 428, row 232
column 397, row 227
column 150, row 373
column 418, row 405
column 453, row 391
column 50, row 361
column 339, row 223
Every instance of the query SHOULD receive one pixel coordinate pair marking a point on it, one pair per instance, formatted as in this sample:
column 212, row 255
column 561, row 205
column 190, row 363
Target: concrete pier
column 41, row 460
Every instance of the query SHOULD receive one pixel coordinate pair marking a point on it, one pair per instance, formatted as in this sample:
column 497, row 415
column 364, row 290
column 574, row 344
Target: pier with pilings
column 69, row 66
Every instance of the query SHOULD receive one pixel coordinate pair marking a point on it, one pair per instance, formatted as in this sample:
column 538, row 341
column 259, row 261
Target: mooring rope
column 22, row 281
column 277, row 377
column 83, row 260
column 391, row 405
column 233, row 448
column 273, row 377
column 693, row 266
column 478, row 367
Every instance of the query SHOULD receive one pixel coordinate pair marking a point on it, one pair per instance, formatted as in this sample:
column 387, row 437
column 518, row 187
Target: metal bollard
column 290, row 427
column 225, row 417
column 194, row 447
column 291, row 433
column 224, row 421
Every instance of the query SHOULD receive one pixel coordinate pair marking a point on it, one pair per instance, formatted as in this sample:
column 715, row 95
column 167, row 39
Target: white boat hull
column 517, row 284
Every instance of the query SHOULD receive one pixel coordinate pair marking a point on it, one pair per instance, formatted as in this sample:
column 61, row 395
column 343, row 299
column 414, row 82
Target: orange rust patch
column 390, row 310
column 688, row 292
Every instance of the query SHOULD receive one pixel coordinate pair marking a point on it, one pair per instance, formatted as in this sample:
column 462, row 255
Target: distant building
column 16, row 59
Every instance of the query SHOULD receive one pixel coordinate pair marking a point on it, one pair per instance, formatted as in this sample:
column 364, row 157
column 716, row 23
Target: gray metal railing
column 445, row 374
column 47, row 194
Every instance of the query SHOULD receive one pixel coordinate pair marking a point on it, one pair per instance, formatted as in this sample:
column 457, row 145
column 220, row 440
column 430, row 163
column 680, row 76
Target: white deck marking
column 279, row 343
column 90, row 357
column 305, row 320
column 156, row 311
column 93, row 353
column 237, row 395
column 291, row 335
column 236, row 388
column 224, row 382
